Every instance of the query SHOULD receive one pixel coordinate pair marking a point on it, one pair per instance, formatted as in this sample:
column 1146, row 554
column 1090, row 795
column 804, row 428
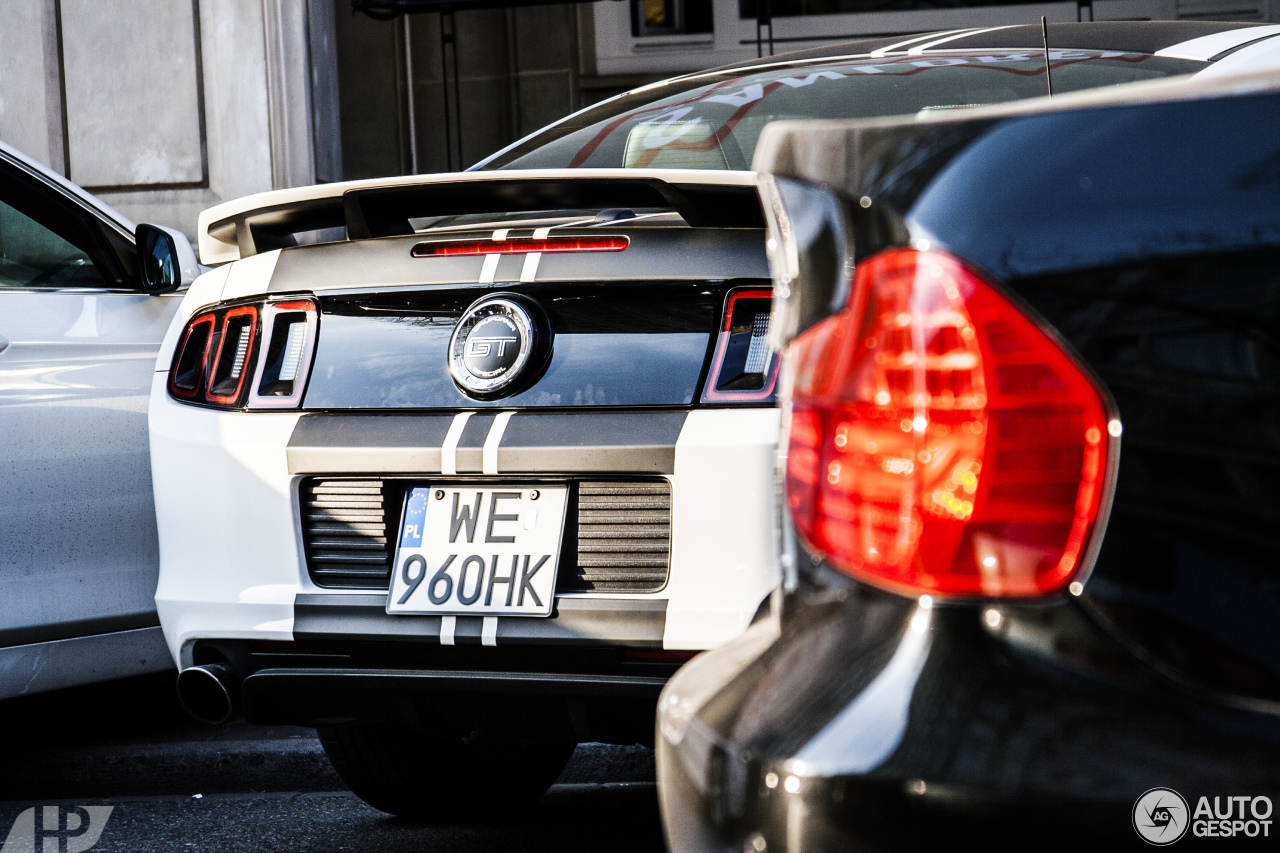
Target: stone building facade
column 165, row 107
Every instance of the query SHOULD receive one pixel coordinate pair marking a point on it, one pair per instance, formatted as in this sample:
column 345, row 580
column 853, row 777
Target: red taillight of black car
column 941, row 442
column 222, row 360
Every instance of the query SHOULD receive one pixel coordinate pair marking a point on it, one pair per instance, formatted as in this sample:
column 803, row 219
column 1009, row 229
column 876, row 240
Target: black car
column 995, row 626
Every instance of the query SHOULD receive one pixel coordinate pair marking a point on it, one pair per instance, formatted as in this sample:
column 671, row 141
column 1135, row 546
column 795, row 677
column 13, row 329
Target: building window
column 799, row 8
column 671, row 17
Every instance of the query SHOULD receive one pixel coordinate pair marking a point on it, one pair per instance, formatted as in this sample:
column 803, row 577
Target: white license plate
column 479, row 550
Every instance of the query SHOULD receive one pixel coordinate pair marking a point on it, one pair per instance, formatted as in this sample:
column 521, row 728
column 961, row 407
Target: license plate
column 478, row 550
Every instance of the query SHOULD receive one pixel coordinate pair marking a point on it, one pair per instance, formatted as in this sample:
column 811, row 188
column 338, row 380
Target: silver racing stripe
column 449, row 465
column 489, row 270
column 449, row 450
column 489, row 457
column 529, row 272
column 1207, row 47
column 880, row 53
column 919, row 49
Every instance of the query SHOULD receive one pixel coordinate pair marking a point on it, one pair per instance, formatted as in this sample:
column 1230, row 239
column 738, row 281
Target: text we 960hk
column 478, row 550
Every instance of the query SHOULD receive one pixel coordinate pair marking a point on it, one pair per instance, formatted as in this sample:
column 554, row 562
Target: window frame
column 107, row 242
column 733, row 39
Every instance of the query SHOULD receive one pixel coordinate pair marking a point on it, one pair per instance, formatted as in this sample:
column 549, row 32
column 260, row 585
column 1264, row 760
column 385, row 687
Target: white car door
column 78, row 342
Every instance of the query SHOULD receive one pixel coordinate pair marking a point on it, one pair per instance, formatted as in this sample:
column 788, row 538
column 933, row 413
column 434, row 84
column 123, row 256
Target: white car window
column 32, row 255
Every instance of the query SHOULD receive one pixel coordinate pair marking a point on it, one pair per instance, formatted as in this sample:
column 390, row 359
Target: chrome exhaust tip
column 208, row 692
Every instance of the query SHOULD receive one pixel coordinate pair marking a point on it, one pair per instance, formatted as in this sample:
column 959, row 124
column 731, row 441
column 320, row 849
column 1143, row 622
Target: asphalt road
column 175, row 785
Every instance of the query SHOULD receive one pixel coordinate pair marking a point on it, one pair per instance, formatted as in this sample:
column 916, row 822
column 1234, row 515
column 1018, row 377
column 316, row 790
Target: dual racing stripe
column 528, row 270
column 486, row 442
column 488, row 451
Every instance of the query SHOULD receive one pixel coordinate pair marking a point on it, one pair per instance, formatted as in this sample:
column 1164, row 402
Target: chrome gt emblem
column 492, row 345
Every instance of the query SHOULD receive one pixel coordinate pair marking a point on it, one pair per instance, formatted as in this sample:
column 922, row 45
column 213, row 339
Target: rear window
column 712, row 121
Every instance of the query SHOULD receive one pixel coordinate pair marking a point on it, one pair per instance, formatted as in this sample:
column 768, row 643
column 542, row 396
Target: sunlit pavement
column 175, row 785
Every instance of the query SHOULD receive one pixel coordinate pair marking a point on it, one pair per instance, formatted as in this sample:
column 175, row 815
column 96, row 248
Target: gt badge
column 500, row 340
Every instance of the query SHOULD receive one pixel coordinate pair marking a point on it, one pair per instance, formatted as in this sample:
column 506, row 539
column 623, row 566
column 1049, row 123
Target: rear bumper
column 579, row 706
column 577, row 621
column 874, row 723
column 232, row 559
column 584, row 693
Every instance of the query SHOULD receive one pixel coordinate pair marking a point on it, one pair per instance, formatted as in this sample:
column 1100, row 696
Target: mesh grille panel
column 617, row 535
column 624, row 536
column 345, row 530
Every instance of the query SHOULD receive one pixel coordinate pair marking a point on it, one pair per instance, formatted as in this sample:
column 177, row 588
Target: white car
column 525, row 456
column 84, row 306
column 459, row 468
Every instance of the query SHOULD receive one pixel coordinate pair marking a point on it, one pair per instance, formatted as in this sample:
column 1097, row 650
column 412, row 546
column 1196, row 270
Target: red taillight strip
column 302, row 305
column 734, row 297
column 181, row 350
column 230, row 399
column 549, row 245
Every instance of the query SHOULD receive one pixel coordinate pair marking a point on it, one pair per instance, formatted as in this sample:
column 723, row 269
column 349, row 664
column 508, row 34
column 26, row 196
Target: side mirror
column 166, row 259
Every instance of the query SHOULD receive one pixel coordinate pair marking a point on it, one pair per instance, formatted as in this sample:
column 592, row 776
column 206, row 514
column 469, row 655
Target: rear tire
column 441, row 780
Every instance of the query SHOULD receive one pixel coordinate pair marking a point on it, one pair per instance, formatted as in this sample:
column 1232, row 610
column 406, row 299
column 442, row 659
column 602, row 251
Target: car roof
column 1127, row 36
column 35, row 167
column 775, row 152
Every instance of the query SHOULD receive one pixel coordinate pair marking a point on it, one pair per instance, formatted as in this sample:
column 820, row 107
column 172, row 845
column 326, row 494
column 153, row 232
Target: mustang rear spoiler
column 383, row 207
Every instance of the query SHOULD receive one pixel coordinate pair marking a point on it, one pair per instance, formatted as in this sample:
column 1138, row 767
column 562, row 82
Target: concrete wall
column 30, row 81
column 142, row 124
column 165, row 107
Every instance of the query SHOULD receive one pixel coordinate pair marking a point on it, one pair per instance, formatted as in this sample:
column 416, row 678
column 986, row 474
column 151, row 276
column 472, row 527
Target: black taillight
column 222, row 348
column 231, row 352
column 744, row 368
column 187, row 373
column 289, row 329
